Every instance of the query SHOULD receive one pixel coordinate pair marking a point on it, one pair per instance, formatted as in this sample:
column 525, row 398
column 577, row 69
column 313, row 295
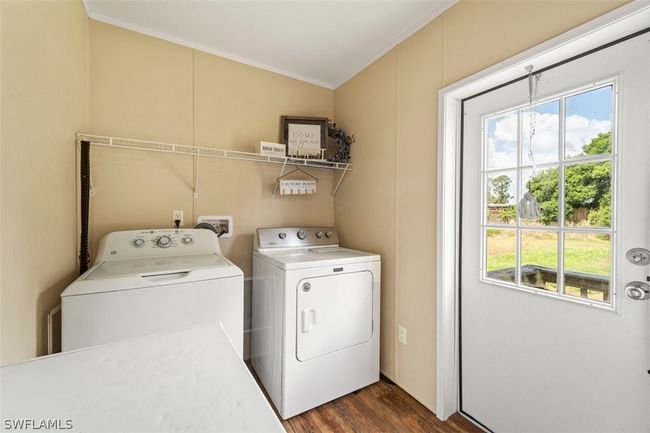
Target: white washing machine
column 315, row 309
column 149, row 281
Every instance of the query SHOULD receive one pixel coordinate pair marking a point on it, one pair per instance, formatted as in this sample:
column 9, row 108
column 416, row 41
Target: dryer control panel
column 296, row 237
column 157, row 243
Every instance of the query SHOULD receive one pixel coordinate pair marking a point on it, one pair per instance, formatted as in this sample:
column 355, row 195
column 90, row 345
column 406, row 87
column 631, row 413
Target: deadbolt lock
column 638, row 256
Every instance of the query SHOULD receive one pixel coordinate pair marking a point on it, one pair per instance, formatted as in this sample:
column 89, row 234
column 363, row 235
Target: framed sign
column 304, row 136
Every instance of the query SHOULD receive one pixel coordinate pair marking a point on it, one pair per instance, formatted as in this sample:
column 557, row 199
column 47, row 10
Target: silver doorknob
column 638, row 290
column 638, row 256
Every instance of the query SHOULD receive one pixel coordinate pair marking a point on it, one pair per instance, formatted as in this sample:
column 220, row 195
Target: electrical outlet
column 402, row 334
column 177, row 215
column 221, row 223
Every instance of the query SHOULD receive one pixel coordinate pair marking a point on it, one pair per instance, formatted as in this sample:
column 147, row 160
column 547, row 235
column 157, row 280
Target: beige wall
column 44, row 101
column 388, row 203
column 142, row 87
column 366, row 201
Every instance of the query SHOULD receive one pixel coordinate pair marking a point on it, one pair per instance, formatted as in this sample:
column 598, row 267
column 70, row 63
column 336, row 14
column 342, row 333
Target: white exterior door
column 549, row 340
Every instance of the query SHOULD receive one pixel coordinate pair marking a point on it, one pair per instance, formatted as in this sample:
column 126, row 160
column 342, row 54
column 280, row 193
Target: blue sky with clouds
column 587, row 115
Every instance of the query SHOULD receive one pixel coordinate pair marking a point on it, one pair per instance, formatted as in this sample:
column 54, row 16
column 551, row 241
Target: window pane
column 588, row 194
column 546, row 138
column 501, row 194
column 544, row 187
column 539, row 259
column 587, row 265
column 500, row 254
column 589, row 123
column 501, row 134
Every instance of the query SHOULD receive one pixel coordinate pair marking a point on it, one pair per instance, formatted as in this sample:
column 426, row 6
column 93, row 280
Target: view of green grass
column 587, row 253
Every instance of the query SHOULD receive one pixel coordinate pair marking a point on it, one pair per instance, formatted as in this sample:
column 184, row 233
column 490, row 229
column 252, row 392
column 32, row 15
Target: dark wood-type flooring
column 382, row 407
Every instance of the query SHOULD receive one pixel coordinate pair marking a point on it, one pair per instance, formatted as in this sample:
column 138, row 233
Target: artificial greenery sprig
column 343, row 143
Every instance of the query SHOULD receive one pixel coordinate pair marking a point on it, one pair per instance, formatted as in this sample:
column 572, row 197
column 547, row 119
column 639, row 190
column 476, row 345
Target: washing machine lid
column 129, row 274
column 156, row 265
column 301, row 258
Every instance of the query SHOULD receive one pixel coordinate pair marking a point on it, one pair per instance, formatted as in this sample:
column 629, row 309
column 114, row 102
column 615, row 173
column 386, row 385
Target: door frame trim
column 605, row 29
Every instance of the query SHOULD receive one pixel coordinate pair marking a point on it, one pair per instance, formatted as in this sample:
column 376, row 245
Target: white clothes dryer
column 148, row 281
column 315, row 317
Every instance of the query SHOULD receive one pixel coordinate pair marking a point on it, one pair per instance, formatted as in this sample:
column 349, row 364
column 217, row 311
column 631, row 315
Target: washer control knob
column 319, row 235
column 164, row 242
column 328, row 234
column 282, row 235
column 188, row 240
column 138, row 243
column 301, row 234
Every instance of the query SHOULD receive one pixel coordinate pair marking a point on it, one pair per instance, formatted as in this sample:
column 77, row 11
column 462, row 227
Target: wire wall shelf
column 210, row 152
column 155, row 146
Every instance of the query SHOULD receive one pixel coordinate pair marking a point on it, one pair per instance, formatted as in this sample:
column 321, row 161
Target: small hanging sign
column 297, row 187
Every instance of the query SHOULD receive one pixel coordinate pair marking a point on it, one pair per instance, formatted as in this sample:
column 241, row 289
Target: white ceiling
column 322, row 42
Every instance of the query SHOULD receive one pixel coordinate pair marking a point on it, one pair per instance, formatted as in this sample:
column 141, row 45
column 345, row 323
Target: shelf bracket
column 195, row 192
column 336, row 188
column 91, row 190
column 275, row 187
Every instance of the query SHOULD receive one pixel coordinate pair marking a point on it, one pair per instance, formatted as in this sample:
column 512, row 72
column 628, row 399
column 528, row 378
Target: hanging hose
column 84, row 176
column 210, row 227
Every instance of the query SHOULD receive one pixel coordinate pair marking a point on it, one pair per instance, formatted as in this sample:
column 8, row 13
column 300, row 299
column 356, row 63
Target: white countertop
column 189, row 380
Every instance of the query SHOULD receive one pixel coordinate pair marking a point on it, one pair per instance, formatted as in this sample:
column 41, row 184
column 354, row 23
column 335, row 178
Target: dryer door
column 333, row 312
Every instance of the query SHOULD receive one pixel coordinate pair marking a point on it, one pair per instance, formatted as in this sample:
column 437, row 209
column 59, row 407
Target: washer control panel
column 162, row 239
column 157, row 243
column 295, row 237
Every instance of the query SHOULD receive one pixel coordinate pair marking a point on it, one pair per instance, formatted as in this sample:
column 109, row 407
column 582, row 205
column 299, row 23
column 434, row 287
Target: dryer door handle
column 308, row 319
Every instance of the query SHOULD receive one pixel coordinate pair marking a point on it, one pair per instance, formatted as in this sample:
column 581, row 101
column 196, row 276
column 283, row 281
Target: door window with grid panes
column 567, row 250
